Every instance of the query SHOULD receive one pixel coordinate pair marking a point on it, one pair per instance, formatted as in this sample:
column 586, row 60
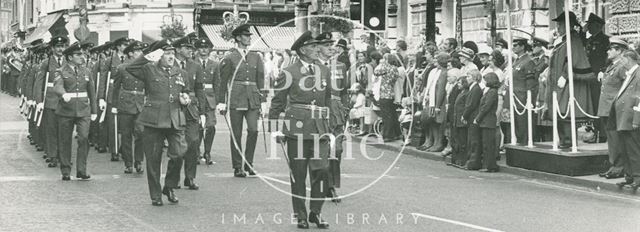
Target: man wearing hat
column 306, row 108
column 241, row 87
column 559, row 80
column 47, row 104
column 466, row 57
column 128, row 102
column 612, row 81
column 105, row 95
column 211, row 71
column 541, row 61
column 597, row 46
column 193, row 130
column 162, row 117
column 524, row 79
column 77, row 107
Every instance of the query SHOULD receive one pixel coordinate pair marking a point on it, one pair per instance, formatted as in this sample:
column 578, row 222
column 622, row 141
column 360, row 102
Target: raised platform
column 590, row 159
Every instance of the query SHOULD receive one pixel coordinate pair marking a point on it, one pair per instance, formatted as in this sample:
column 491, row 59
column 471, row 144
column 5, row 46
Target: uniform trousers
column 111, row 130
column 65, row 135
column 236, row 117
column 334, row 163
column 210, row 131
column 522, row 129
column 50, row 125
column 300, row 165
column 131, row 133
column 153, row 140
column 102, row 133
column 192, row 134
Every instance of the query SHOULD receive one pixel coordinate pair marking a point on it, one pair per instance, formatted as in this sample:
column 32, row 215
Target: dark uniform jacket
column 291, row 93
column 128, row 91
column 524, row 78
column 194, row 79
column 108, row 70
column 236, row 75
column 472, row 103
column 162, row 108
column 487, row 117
column 611, row 83
column 48, row 66
column 68, row 80
column 211, row 84
column 623, row 104
column 597, row 46
column 339, row 93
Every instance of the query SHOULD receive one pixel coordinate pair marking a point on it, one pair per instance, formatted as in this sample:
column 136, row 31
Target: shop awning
column 213, row 33
column 278, row 38
column 52, row 24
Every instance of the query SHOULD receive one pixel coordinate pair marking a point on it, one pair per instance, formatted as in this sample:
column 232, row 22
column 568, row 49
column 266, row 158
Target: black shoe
column 102, row 149
column 239, row 173
column 115, row 157
column 48, row 160
column 634, row 186
column 315, row 218
column 53, row 163
column 157, row 202
column 252, row 173
column 303, row 224
column 138, row 167
column 171, row 196
column 627, row 180
column 191, row 185
column 66, row 177
column 83, row 176
column 128, row 170
column 334, row 196
column 45, row 156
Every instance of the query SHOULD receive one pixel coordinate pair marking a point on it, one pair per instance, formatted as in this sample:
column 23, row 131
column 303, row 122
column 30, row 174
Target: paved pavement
column 388, row 192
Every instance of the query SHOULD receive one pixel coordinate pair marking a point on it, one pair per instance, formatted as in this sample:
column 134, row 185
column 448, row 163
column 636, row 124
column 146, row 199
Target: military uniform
column 596, row 47
column 211, row 82
column 106, row 93
column 193, row 130
column 128, row 99
column 305, row 103
column 74, row 80
column 162, row 118
column 49, row 123
column 242, row 77
column 524, row 79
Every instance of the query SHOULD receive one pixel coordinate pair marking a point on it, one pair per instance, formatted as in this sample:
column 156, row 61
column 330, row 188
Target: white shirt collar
column 472, row 84
column 633, row 69
column 304, row 63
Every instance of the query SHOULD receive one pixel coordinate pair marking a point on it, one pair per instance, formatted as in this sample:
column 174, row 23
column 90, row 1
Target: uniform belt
column 208, row 86
column 244, row 82
column 133, row 92
column 79, row 95
column 316, row 111
column 50, row 84
column 334, row 97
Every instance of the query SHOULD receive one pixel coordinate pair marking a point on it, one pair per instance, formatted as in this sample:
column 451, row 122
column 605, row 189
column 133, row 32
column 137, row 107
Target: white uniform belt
column 208, row 86
column 334, row 97
column 133, row 92
column 317, row 112
column 244, row 82
column 78, row 94
column 50, row 84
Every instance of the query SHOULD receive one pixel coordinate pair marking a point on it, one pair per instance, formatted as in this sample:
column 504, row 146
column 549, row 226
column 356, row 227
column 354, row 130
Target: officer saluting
column 242, row 77
column 128, row 100
column 162, row 116
column 302, row 92
column 74, row 86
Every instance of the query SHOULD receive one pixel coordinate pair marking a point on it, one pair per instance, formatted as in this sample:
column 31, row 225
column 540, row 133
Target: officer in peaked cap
column 572, row 18
column 524, row 79
column 519, row 41
column 211, row 79
column 128, row 102
column 596, row 47
column 324, row 37
column 77, row 107
column 242, row 77
column 306, row 108
column 47, row 104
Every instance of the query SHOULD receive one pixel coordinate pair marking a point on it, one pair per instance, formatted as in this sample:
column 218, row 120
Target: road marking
column 455, row 222
column 582, row 191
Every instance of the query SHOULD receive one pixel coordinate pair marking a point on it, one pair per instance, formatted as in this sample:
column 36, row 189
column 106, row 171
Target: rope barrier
column 558, row 110
column 581, row 110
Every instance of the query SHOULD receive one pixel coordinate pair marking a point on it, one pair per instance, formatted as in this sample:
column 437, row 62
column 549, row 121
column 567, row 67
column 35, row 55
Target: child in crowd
column 405, row 119
column 459, row 138
column 357, row 110
column 486, row 120
column 452, row 92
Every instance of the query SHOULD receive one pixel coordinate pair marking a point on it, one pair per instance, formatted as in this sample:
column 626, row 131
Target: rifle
column 106, row 92
column 44, row 98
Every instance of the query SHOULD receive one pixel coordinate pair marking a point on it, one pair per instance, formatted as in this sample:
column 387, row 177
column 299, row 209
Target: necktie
column 203, row 64
column 121, row 59
column 182, row 64
column 75, row 69
column 311, row 69
column 59, row 61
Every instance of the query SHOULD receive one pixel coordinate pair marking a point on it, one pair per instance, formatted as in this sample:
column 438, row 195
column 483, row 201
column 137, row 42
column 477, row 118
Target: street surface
column 414, row 195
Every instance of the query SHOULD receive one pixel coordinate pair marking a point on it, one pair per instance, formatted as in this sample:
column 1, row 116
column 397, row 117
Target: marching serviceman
column 302, row 92
column 47, row 104
column 77, row 107
column 27, row 92
column 128, row 101
column 105, row 94
column 96, row 137
column 162, row 116
column 242, row 77
column 211, row 80
column 612, row 81
column 193, row 130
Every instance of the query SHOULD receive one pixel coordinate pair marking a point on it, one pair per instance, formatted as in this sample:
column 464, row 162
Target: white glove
column 40, row 106
column 102, row 104
column 278, row 135
column 66, row 97
column 184, row 99
column 31, row 103
column 600, row 76
column 562, row 82
column 203, row 120
column 221, row 107
column 155, row 55
column 114, row 110
column 94, row 117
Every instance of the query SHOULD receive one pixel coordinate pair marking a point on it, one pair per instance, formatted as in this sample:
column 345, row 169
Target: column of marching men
column 133, row 100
